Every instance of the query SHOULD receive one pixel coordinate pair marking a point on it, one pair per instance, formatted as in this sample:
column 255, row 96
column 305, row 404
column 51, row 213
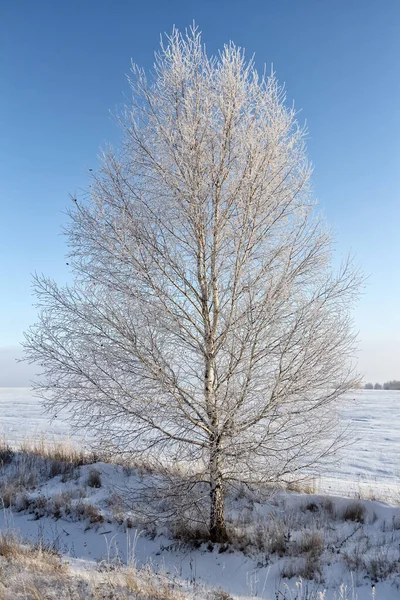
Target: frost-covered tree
column 205, row 321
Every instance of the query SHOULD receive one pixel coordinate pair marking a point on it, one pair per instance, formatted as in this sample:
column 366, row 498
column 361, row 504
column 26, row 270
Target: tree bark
column 218, row 531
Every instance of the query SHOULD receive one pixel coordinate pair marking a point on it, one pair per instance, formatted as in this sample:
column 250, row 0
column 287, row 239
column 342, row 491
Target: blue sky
column 63, row 68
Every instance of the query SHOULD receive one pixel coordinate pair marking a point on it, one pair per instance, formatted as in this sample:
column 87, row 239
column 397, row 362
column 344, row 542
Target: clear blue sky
column 63, row 67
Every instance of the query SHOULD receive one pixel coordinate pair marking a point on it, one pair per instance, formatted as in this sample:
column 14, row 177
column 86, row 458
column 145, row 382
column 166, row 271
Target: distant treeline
column 389, row 385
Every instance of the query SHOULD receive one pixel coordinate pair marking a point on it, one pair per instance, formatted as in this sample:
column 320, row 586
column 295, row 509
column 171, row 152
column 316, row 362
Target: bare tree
column 205, row 322
column 391, row 385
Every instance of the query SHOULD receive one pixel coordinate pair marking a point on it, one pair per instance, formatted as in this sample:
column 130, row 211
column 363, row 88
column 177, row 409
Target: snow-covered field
column 309, row 527
column 22, row 417
column 370, row 466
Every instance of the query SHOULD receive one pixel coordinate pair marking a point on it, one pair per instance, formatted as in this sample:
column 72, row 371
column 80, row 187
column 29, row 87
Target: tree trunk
column 217, row 518
column 217, row 509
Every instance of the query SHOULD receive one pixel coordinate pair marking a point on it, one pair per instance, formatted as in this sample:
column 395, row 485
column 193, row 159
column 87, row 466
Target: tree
column 392, row 385
column 377, row 386
column 368, row 386
column 205, row 321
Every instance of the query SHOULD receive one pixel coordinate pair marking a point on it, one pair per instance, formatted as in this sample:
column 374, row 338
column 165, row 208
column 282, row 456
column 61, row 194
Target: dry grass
column 36, row 461
column 67, row 505
column 63, row 451
column 94, row 479
column 312, row 543
column 303, row 486
column 192, row 533
column 6, row 453
column 355, row 511
column 39, row 557
column 379, row 564
column 307, row 567
column 37, row 572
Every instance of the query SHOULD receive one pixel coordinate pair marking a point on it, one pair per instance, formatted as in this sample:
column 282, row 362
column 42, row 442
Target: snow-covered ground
column 335, row 541
column 351, row 551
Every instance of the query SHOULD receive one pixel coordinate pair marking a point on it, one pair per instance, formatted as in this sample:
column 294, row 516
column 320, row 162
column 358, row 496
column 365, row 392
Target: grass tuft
column 355, row 511
column 94, row 479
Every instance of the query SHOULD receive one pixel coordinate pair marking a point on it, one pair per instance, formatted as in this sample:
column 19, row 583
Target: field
column 344, row 531
column 370, row 463
column 23, row 417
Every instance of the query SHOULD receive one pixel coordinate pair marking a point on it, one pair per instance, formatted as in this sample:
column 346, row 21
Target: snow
column 23, row 417
column 243, row 575
column 369, row 466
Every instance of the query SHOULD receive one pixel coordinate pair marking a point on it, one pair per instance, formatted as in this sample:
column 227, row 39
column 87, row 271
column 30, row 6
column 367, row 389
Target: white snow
column 23, row 417
column 251, row 575
column 369, row 466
